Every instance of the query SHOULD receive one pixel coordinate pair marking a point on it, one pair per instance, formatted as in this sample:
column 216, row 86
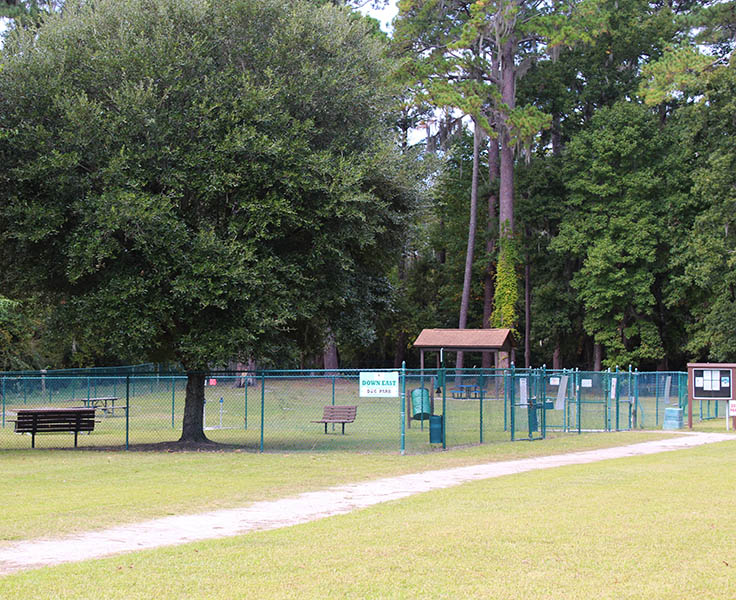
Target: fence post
column 3, row 391
column 481, row 393
column 402, row 402
column 615, row 394
column 127, row 412
column 543, row 384
column 505, row 401
column 577, row 398
column 173, row 389
column 444, row 407
column 656, row 399
column 245, row 422
column 263, row 403
column 512, row 417
column 636, row 398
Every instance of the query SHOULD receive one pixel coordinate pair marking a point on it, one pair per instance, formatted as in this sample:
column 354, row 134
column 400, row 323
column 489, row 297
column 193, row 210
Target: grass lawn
column 47, row 492
column 660, row 526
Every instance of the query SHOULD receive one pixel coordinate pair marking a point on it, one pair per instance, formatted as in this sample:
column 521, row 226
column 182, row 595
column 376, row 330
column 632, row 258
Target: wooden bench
column 54, row 420
column 338, row 414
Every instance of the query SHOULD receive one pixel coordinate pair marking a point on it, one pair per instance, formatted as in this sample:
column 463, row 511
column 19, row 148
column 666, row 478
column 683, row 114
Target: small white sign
column 523, row 392
column 586, row 383
column 613, row 388
column 554, row 381
column 561, row 391
column 732, row 408
column 379, row 385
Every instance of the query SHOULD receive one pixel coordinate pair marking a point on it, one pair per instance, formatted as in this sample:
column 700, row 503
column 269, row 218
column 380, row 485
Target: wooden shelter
column 466, row 340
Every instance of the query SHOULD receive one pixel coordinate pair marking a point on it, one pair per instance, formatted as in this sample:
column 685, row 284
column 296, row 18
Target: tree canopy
column 188, row 180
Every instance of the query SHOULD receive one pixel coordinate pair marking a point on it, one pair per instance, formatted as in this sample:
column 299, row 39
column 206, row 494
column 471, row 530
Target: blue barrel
column 672, row 418
column 420, row 407
column 436, row 426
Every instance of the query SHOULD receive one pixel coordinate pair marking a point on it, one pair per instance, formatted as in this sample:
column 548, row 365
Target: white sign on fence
column 613, row 388
column 523, row 392
column 561, row 391
column 379, row 385
column 586, row 383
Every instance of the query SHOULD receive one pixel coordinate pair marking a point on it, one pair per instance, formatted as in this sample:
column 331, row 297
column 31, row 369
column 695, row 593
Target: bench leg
column 325, row 428
column 75, row 438
column 343, row 428
column 33, row 439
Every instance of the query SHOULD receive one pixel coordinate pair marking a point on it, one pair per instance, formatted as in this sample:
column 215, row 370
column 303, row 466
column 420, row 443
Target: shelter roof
column 464, row 339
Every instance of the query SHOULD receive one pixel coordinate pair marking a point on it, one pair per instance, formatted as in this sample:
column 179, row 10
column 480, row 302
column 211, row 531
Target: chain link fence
column 283, row 410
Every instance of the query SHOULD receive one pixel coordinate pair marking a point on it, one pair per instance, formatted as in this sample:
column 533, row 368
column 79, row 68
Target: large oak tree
column 188, row 180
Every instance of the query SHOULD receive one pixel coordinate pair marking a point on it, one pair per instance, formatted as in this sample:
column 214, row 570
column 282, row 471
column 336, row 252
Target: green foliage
column 618, row 224
column 506, row 296
column 190, row 180
column 707, row 256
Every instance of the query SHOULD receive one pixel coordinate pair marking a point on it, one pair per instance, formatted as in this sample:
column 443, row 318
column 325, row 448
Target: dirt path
column 302, row 508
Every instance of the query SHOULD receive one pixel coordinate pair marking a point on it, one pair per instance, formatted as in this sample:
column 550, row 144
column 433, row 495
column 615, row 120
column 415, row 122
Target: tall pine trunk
column 488, row 287
column 472, row 226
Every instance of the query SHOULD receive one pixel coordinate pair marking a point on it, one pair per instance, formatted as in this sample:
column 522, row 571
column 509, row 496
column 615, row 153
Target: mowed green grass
column 655, row 527
column 50, row 493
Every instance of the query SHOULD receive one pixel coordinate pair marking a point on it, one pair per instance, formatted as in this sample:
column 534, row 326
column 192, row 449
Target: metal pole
column 403, row 406
column 543, row 384
column 482, row 389
column 246, row 402
column 618, row 428
column 172, row 400
column 3, row 390
column 656, row 400
column 127, row 412
column 263, row 402
column 444, row 406
column 636, row 398
column 512, row 416
column 577, row 397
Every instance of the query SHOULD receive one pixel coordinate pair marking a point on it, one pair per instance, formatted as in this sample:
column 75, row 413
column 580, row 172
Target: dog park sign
column 711, row 382
column 379, row 385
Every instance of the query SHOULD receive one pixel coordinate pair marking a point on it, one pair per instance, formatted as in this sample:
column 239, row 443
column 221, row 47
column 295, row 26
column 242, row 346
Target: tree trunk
column 329, row 356
column 597, row 357
column 467, row 279
column 508, row 97
column 557, row 357
column 490, row 244
column 193, row 424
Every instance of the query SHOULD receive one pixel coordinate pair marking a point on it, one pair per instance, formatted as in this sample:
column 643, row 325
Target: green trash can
column 420, row 407
column 436, row 426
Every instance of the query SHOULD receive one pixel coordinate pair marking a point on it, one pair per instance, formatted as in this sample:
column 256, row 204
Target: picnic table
column 104, row 403
column 466, row 391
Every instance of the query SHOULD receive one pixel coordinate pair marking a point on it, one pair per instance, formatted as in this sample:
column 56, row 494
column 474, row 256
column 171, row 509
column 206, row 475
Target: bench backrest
column 340, row 413
column 78, row 419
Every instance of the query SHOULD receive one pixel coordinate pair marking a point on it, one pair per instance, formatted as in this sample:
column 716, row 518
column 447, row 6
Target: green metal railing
column 273, row 410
